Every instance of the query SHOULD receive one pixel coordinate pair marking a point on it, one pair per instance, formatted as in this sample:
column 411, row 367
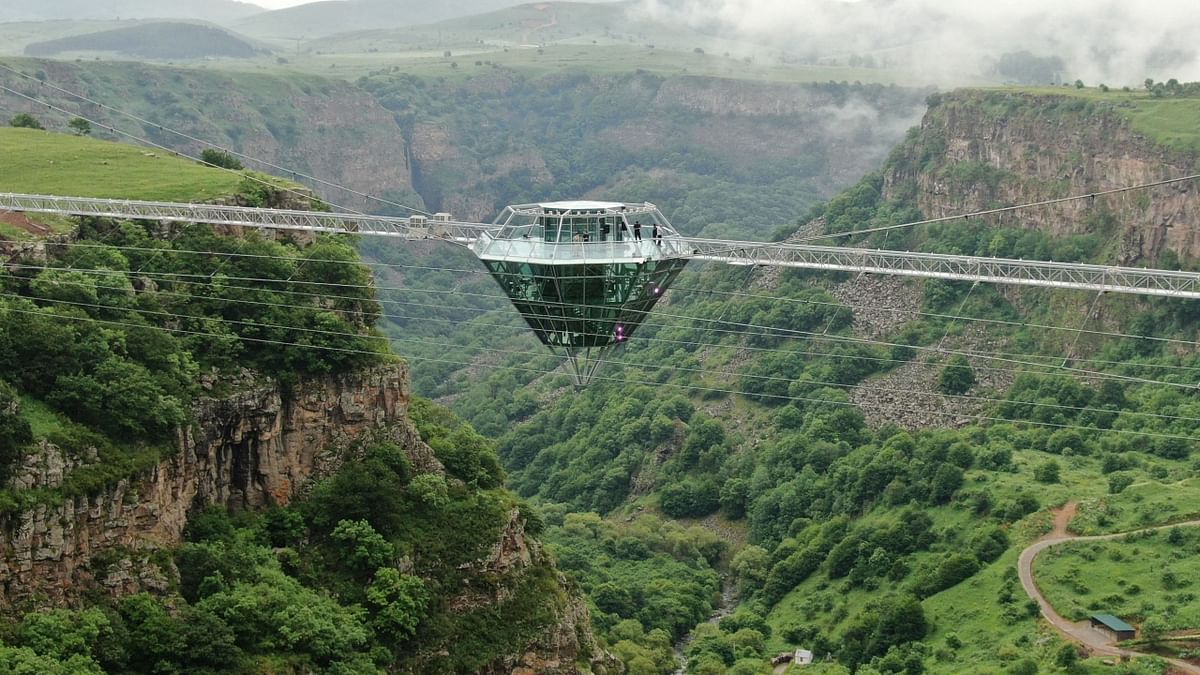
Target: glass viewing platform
column 584, row 275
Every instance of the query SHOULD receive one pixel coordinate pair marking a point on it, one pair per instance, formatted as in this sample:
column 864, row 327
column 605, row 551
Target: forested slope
column 886, row 447
column 207, row 467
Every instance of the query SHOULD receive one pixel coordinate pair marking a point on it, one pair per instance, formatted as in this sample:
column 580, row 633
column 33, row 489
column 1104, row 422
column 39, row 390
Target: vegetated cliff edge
column 259, row 447
column 89, row 519
column 977, row 150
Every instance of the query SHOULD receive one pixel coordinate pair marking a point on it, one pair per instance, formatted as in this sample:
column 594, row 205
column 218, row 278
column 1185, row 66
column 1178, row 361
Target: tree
column 946, row 481
column 80, row 126
column 957, row 377
column 1047, row 472
column 363, row 549
column 221, row 159
column 1153, row 628
column 14, row 430
column 398, row 602
column 750, row 568
column 25, row 121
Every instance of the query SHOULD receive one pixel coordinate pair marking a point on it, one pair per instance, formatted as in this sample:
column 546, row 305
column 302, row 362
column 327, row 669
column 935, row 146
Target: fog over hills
column 319, row 19
column 1105, row 41
column 52, row 10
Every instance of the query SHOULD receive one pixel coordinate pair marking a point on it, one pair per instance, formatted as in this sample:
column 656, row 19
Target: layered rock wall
column 259, row 447
column 979, row 150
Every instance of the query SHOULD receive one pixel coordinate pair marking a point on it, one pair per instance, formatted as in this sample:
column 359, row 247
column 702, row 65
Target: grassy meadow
column 1133, row 577
column 43, row 162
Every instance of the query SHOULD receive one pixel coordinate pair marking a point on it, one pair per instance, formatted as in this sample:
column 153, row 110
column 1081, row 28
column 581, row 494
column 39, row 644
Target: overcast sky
column 279, row 4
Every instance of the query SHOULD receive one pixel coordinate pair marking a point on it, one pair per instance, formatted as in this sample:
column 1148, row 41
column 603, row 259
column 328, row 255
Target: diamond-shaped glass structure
column 584, row 275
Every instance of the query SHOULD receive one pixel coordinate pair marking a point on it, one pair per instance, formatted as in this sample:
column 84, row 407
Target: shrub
column 957, row 377
column 25, row 121
column 221, row 159
column 1047, row 472
column 1118, row 481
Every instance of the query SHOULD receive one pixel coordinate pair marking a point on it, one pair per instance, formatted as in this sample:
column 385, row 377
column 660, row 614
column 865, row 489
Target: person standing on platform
column 637, row 230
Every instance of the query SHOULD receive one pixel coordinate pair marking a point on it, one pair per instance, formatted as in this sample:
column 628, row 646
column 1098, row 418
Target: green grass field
column 1172, row 122
column 987, row 615
column 40, row 162
column 1133, row 578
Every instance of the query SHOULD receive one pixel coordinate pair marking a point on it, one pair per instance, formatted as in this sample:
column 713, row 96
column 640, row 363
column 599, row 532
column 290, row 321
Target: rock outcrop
column 978, row 150
column 258, row 447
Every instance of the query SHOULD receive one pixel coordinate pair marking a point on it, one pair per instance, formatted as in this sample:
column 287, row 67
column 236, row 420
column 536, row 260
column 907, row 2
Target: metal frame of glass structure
column 583, row 274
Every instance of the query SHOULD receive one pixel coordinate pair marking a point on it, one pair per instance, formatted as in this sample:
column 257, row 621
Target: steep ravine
column 261, row 446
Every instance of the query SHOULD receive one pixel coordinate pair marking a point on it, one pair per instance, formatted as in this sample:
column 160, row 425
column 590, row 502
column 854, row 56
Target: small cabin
column 803, row 657
column 1113, row 626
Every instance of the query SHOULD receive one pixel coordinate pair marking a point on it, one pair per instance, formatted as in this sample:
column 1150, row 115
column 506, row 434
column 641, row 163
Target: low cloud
column 952, row 41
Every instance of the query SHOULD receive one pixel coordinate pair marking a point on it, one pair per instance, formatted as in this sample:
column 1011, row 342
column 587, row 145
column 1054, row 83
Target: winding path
column 1082, row 633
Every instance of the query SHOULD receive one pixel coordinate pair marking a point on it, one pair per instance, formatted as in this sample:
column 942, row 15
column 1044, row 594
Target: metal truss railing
column 1099, row 278
column 242, row 216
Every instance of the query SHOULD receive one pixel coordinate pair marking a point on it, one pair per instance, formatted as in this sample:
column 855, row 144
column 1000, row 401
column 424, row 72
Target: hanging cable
column 601, row 377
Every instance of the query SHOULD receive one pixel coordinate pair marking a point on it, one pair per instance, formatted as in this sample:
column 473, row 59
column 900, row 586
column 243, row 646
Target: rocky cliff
column 977, row 150
column 498, row 138
column 259, row 447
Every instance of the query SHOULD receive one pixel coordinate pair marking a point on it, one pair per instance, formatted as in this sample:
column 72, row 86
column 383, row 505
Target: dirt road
column 1082, row 633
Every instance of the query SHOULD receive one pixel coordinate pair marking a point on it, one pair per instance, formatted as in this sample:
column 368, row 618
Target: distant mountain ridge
column 50, row 10
column 164, row 40
column 320, row 19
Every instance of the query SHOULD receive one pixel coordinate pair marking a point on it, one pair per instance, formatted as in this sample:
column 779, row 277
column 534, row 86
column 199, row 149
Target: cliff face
column 509, row 139
column 979, row 150
column 262, row 446
column 259, row 447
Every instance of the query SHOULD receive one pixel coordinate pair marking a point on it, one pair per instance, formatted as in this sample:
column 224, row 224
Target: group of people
column 655, row 232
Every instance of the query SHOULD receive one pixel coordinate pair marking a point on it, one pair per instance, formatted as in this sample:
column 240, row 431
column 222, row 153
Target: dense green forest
column 735, row 409
column 108, row 339
column 725, row 460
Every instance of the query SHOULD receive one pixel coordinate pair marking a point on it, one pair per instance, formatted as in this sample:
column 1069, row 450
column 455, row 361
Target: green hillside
column 316, row 19
column 111, row 369
column 532, row 24
column 160, row 41
column 889, row 545
column 41, row 162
